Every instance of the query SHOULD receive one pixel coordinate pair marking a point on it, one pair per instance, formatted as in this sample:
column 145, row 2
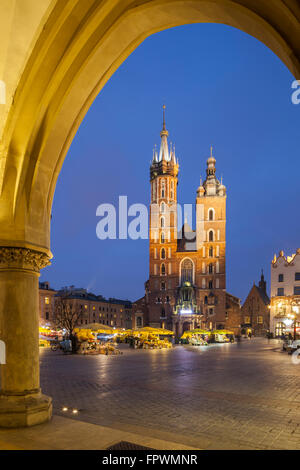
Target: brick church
column 187, row 280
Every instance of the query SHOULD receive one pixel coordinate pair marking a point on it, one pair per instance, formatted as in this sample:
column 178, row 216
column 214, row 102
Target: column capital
column 23, row 258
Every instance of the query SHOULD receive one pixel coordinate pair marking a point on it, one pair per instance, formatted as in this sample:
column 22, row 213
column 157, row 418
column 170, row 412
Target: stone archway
column 55, row 57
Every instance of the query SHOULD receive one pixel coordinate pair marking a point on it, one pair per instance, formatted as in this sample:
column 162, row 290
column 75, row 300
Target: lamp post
column 295, row 309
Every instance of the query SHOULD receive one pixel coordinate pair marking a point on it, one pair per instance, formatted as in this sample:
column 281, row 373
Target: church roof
column 263, row 295
column 265, row 298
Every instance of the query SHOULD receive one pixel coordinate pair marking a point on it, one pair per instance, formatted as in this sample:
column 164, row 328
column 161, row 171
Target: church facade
column 187, row 276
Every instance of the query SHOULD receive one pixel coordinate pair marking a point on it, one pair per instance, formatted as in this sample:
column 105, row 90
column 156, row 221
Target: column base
column 25, row 410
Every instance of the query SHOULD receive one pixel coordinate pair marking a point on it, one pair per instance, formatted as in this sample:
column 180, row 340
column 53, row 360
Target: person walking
column 74, row 341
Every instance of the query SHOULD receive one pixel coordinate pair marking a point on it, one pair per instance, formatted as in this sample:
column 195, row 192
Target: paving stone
column 240, row 396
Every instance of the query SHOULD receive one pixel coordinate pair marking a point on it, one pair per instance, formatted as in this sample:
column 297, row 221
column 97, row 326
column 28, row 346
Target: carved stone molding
column 23, row 258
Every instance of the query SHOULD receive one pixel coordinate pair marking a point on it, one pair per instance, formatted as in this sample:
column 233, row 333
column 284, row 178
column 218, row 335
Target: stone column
column 21, row 400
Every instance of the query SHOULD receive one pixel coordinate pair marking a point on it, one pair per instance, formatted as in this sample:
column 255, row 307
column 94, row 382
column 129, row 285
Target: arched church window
column 163, row 269
column 162, row 222
column 163, row 253
column 138, row 322
column 210, row 268
column 163, row 188
column 210, row 214
column 210, row 284
column 211, row 236
column 163, row 286
column 187, row 271
column 172, row 189
column 162, row 238
column 162, row 207
column 211, row 252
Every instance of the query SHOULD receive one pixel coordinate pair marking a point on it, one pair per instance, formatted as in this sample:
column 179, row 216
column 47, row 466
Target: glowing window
column 163, row 190
column 187, row 271
column 211, row 214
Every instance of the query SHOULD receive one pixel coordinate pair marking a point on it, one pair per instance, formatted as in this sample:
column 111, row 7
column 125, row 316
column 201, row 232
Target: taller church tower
column 163, row 231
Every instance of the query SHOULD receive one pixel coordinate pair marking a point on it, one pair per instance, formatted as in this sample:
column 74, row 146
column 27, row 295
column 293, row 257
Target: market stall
column 97, row 339
column 47, row 336
column 223, row 336
column 196, row 337
column 150, row 338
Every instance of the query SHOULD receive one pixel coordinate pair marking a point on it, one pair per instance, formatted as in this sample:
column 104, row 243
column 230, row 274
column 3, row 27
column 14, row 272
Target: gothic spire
column 174, row 155
column 164, row 151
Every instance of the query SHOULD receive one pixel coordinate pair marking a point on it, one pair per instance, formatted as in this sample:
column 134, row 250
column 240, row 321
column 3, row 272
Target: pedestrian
column 74, row 341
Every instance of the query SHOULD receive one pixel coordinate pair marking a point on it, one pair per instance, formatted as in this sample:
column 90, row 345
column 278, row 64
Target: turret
column 165, row 162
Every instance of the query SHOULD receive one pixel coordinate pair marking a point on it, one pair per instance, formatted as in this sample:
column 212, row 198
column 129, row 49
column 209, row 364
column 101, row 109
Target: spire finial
column 200, row 180
column 164, row 131
column 211, row 150
column 164, row 117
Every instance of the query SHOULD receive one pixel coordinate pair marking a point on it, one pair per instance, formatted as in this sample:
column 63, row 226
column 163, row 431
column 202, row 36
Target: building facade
column 89, row 308
column 187, row 278
column 233, row 314
column 256, row 310
column 285, row 294
column 46, row 304
column 139, row 313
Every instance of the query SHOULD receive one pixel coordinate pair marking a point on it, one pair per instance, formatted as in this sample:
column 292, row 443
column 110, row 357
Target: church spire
column 262, row 283
column 174, row 155
column 164, row 117
column 211, row 166
column 164, row 150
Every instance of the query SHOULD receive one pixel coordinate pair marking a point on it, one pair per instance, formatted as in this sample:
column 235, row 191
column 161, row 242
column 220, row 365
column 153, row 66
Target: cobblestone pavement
column 237, row 396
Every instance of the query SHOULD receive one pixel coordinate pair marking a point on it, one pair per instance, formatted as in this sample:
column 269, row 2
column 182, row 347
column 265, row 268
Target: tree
column 67, row 315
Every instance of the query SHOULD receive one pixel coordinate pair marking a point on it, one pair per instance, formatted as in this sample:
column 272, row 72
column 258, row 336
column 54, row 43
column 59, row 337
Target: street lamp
column 295, row 309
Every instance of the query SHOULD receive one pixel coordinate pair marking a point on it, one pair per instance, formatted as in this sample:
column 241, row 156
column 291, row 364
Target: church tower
column 163, row 231
column 211, row 246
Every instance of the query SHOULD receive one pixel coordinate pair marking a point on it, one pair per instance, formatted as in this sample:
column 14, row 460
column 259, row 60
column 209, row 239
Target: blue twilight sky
column 221, row 87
